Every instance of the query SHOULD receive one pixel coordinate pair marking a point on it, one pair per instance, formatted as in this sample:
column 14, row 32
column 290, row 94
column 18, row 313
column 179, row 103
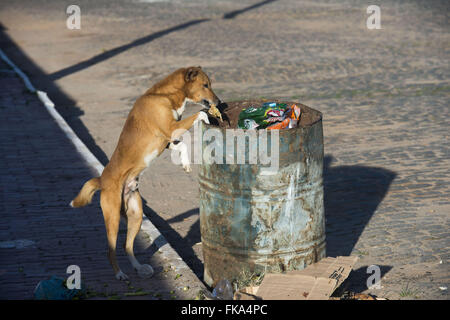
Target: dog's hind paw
column 121, row 276
column 145, row 271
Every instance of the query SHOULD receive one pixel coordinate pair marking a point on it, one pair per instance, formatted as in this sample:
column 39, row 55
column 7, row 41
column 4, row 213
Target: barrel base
column 220, row 265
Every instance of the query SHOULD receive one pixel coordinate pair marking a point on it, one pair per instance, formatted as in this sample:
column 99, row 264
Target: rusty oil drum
column 251, row 221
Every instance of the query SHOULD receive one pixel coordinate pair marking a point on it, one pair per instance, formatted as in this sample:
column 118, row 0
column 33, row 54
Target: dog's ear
column 190, row 74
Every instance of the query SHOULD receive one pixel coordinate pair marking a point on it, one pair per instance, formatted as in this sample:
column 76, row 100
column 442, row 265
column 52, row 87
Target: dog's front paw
column 121, row 276
column 202, row 116
column 145, row 271
column 187, row 168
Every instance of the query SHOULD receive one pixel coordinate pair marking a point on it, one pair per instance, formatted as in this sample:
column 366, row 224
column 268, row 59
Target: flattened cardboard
column 248, row 293
column 245, row 296
column 335, row 268
column 317, row 282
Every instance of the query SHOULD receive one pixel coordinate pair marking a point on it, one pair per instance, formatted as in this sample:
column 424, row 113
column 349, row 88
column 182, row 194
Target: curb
column 166, row 250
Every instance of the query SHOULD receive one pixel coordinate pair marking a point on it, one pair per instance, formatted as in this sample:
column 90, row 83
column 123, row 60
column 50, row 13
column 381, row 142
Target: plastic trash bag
column 223, row 290
column 55, row 289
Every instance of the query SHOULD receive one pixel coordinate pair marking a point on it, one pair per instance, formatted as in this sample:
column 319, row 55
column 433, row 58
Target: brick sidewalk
column 40, row 172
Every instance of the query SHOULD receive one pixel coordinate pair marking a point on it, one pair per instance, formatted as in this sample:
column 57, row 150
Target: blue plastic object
column 55, row 289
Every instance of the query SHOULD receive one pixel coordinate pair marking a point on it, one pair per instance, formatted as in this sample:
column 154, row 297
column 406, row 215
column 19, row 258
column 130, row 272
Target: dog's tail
column 86, row 193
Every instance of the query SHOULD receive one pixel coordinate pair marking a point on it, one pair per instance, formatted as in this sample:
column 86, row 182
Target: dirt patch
column 230, row 113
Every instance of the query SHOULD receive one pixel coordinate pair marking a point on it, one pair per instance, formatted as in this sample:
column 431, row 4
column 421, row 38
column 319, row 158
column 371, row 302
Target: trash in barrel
column 261, row 216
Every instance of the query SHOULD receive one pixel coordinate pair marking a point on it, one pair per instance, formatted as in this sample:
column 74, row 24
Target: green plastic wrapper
column 251, row 118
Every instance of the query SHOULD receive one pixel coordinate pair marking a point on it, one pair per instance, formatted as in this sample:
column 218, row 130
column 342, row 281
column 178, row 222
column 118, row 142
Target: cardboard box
column 316, row 282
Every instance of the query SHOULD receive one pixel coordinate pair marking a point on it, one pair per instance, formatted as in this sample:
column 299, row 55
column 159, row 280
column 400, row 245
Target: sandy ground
column 370, row 85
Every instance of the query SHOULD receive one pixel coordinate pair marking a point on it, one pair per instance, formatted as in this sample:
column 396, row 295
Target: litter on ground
column 316, row 282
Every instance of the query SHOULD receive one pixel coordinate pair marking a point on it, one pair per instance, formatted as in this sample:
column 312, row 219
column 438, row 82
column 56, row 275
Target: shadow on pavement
column 351, row 196
column 233, row 14
column 184, row 246
column 113, row 52
column 141, row 41
column 64, row 104
column 358, row 280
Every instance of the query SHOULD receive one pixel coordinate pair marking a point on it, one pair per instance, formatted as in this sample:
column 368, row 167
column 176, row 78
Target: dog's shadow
column 351, row 196
column 184, row 246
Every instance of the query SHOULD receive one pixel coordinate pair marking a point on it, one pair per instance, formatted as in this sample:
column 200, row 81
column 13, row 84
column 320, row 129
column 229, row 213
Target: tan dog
column 153, row 123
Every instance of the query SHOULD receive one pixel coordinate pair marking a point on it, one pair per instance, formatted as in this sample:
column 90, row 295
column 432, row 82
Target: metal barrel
column 253, row 219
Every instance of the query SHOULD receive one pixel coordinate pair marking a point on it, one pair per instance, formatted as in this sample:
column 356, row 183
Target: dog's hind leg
column 133, row 212
column 110, row 201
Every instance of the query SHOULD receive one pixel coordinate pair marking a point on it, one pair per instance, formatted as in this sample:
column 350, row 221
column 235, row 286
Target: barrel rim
column 320, row 116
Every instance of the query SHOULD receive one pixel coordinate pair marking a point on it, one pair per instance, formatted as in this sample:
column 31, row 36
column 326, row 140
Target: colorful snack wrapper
column 261, row 115
column 271, row 115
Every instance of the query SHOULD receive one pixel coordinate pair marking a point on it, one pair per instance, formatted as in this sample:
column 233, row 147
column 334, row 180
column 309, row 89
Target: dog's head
column 198, row 87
